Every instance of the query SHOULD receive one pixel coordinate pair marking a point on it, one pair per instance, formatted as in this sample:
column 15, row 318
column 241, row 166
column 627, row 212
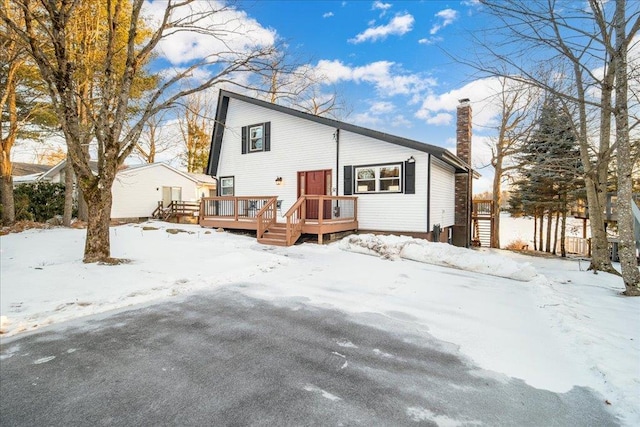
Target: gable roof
column 53, row 171
column 198, row 178
column 221, row 116
column 21, row 169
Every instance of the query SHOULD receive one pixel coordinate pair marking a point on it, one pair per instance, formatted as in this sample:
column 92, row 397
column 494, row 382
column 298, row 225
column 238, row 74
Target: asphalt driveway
column 223, row 359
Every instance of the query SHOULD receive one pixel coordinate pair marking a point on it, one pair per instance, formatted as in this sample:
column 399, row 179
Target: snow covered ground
column 544, row 320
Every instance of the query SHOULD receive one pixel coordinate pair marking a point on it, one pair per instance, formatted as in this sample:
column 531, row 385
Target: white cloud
column 382, row 107
column 384, row 7
column 445, row 17
column 399, row 25
column 430, row 40
column 386, row 76
column 480, row 92
column 365, row 119
column 440, row 119
column 378, row 5
column 327, row 15
column 235, row 31
column 401, row 121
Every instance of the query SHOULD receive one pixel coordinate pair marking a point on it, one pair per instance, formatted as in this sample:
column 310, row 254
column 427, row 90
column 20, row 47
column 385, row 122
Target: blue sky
column 389, row 61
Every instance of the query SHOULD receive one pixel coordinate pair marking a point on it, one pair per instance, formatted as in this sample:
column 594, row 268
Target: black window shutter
column 245, row 139
column 348, row 180
column 410, row 177
column 267, row 136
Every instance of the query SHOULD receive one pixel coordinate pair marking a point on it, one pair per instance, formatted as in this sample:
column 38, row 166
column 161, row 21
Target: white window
column 227, row 186
column 378, row 179
column 256, row 140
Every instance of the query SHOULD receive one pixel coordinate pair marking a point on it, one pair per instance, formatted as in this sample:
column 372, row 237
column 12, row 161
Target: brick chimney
column 462, row 228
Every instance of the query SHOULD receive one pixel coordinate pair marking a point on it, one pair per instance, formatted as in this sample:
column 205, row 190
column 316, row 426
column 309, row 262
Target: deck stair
column 482, row 232
column 275, row 235
column 483, row 223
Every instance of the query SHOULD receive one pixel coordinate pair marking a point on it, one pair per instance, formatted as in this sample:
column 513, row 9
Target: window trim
column 246, row 138
column 233, row 186
column 250, row 139
column 377, row 179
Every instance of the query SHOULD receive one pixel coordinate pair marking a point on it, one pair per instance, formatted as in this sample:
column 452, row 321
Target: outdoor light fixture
column 411, row 160
column 279, row 180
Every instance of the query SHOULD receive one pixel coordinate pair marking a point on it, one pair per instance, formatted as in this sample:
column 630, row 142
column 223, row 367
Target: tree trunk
column 627, row 247
column 68, row 194
column 549, row 227
column 97, row 244
column 497, row 201
column 541, row 232
column 555, row 234
column 535, row 232
column 563, row 230
column 8, row 205
column 83, row 211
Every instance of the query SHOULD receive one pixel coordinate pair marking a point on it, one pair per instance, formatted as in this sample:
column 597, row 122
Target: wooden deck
column 317, row 215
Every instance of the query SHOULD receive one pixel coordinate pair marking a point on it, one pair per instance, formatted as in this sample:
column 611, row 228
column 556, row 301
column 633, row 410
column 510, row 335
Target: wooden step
column 275, row 235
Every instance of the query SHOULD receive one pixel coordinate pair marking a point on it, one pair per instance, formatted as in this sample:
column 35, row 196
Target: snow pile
column 443, row 254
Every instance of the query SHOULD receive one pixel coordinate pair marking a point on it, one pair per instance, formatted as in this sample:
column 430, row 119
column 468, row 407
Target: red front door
column 315, row 183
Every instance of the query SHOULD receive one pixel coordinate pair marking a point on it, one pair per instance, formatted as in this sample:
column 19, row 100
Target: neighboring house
column 27, row 172
column 401, row 185
column 137, row 190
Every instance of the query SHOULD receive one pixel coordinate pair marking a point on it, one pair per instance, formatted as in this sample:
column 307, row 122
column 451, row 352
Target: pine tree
column 550, row 175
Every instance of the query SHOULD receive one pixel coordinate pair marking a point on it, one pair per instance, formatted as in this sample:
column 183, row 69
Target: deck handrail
column 295, row 218
column 232, row 207
column 266, row 217
column 337, row 214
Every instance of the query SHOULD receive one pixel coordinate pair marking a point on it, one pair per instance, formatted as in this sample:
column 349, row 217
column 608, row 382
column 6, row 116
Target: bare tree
column 627, row 249
column 517, row 103
column 153, row 139
column 195, row 117
column 538, row 33
column 290, row 80
column 20, row 104
column 126, row 47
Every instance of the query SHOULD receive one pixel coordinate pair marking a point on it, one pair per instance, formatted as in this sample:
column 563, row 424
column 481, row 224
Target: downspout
column 217, row 190
column 336, row 136
column 428, row 192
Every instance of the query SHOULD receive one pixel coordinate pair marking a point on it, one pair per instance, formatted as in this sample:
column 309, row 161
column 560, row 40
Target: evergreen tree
column 550, row 173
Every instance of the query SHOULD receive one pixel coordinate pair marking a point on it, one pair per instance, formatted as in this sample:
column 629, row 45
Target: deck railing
column 295, row 219
column 266, row 216
column 331, row 208
column 176, row 208
column 233, row 208
column 311, row 214
column 483, row 208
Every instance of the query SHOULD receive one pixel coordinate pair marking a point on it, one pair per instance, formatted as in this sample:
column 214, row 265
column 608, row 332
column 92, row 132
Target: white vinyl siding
column 442, row 194
column 396, row 212
column 296, row 145
column 136, row 192
column 299, row 145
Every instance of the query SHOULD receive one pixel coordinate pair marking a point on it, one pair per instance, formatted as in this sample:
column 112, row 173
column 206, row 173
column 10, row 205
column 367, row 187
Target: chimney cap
column 463, row 100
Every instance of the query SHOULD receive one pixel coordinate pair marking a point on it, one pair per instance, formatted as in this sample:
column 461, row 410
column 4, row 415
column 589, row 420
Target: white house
column 137, row 190
column 401, row 185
